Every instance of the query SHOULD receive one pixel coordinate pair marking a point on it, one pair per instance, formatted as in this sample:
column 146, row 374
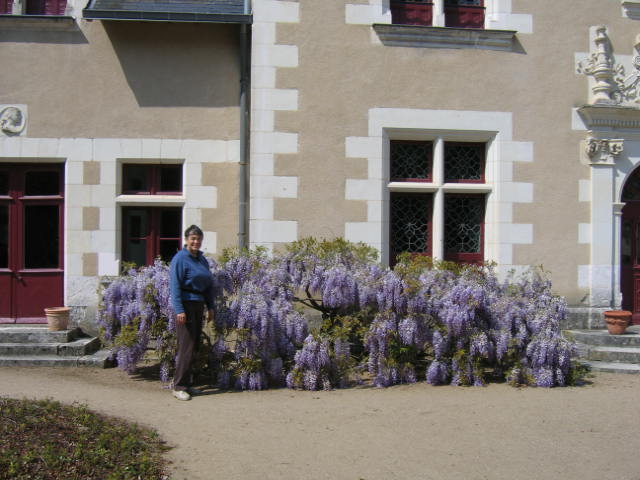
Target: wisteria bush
column 422, row 320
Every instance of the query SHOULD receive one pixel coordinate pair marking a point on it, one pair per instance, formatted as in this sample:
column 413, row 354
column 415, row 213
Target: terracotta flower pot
column 57, row 318
column 617, row 321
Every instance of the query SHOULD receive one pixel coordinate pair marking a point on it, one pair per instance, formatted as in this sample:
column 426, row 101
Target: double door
column 31, row 241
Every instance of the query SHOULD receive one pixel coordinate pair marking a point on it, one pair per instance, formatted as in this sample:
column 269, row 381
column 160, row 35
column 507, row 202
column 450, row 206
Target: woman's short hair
column 193, row 230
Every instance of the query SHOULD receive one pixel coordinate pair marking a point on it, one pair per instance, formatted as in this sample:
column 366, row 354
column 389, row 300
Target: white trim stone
column 267, row 56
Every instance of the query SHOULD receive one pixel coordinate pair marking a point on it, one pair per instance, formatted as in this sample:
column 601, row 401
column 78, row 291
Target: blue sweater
column 190, row 279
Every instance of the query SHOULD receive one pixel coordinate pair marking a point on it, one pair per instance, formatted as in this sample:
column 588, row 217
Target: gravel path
column 405, row 432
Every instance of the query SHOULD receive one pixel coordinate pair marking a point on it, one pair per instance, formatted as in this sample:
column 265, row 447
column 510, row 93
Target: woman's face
column 194, row 242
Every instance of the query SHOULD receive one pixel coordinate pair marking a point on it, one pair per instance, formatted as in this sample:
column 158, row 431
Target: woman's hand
column 181, row 318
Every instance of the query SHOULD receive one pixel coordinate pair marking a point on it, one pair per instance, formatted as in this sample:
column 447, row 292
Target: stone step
column 36, row 334
column 100, row 359
column 614, row 354
column 631, row 338
column 613, row 367
column 79, row 347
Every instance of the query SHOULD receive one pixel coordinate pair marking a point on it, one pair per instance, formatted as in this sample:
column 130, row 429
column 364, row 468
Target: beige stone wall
column 342, row 74
column 124, row 80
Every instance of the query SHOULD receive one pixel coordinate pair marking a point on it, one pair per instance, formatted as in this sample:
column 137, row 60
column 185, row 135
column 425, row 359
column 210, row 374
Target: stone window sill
column 445, row 37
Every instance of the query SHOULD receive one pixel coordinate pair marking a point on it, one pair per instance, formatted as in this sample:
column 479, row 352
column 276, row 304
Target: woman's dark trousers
column 188, row 341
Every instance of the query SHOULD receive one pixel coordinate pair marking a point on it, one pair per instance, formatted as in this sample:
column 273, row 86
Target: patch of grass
column 44, row 439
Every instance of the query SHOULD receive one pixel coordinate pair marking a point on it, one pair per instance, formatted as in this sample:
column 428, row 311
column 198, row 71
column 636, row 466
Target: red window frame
column 151, row 234
column 418, row 12
column 463, row 15
column 153, row 178
column 474, row 258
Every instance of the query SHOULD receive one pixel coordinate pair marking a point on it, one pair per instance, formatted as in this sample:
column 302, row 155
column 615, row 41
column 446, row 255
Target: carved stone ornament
column 604, row 151
column 12, row 121
column 612, row 85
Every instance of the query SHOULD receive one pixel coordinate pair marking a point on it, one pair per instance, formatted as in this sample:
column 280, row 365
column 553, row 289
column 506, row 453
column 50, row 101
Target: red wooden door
column 630, row 259
column 31, row 242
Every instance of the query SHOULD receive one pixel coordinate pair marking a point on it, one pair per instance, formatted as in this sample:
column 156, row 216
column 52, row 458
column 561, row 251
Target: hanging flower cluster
column 442, row 323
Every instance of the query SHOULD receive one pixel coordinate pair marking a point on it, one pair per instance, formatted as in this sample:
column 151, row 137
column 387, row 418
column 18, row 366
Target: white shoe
column 181, row 395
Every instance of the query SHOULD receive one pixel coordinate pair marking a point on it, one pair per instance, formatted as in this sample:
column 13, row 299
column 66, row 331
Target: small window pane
column 4, row 183
column 136, row 251
column 171, row 178
column 4, row 236
column 38, row 183
column 464, row 162
column 170, row 223
column 136, row 223
column 411, row 160
column 136, row 178
column 168, row 249
column 411, row 223
column 41, row 236
column 464, row 216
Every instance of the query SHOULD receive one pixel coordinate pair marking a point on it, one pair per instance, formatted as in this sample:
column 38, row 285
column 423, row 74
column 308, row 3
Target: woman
column 191, row 286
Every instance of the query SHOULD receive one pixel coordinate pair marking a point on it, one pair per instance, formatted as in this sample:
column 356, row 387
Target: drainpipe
column 243, row 188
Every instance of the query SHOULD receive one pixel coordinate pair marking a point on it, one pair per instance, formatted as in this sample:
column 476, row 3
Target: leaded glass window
column 411, row 161
column 464, row 162
column 410, row 223
column 463, row 228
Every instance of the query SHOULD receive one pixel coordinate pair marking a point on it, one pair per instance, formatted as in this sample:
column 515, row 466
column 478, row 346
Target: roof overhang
column 193, row 11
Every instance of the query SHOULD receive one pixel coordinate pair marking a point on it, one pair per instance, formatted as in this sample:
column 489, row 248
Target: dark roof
column 216, row 11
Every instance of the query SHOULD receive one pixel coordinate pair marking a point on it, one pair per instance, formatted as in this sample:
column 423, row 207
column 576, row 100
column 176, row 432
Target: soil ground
column 405, row 432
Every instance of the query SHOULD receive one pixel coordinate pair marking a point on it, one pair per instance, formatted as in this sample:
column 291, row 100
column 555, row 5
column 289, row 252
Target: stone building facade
column 472, row 130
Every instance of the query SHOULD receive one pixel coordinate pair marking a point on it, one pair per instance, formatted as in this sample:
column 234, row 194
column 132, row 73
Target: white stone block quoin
column 516, row 233
column 274, row 187
column 275, row 55
column 584, row 233
column 274, row 231
column 367, row 232
column 276, row 11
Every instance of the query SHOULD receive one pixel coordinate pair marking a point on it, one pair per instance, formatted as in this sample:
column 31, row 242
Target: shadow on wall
column 11, row 30
column 178, row 64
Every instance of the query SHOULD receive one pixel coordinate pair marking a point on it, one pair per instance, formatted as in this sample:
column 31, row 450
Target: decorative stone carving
column 600, row 65
column 12, row 121
column 604, row 151
column 612, row 85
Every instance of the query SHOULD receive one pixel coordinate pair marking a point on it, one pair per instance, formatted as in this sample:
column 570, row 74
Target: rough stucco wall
column 124, row 80
column 224, row 218
column 341, row 75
